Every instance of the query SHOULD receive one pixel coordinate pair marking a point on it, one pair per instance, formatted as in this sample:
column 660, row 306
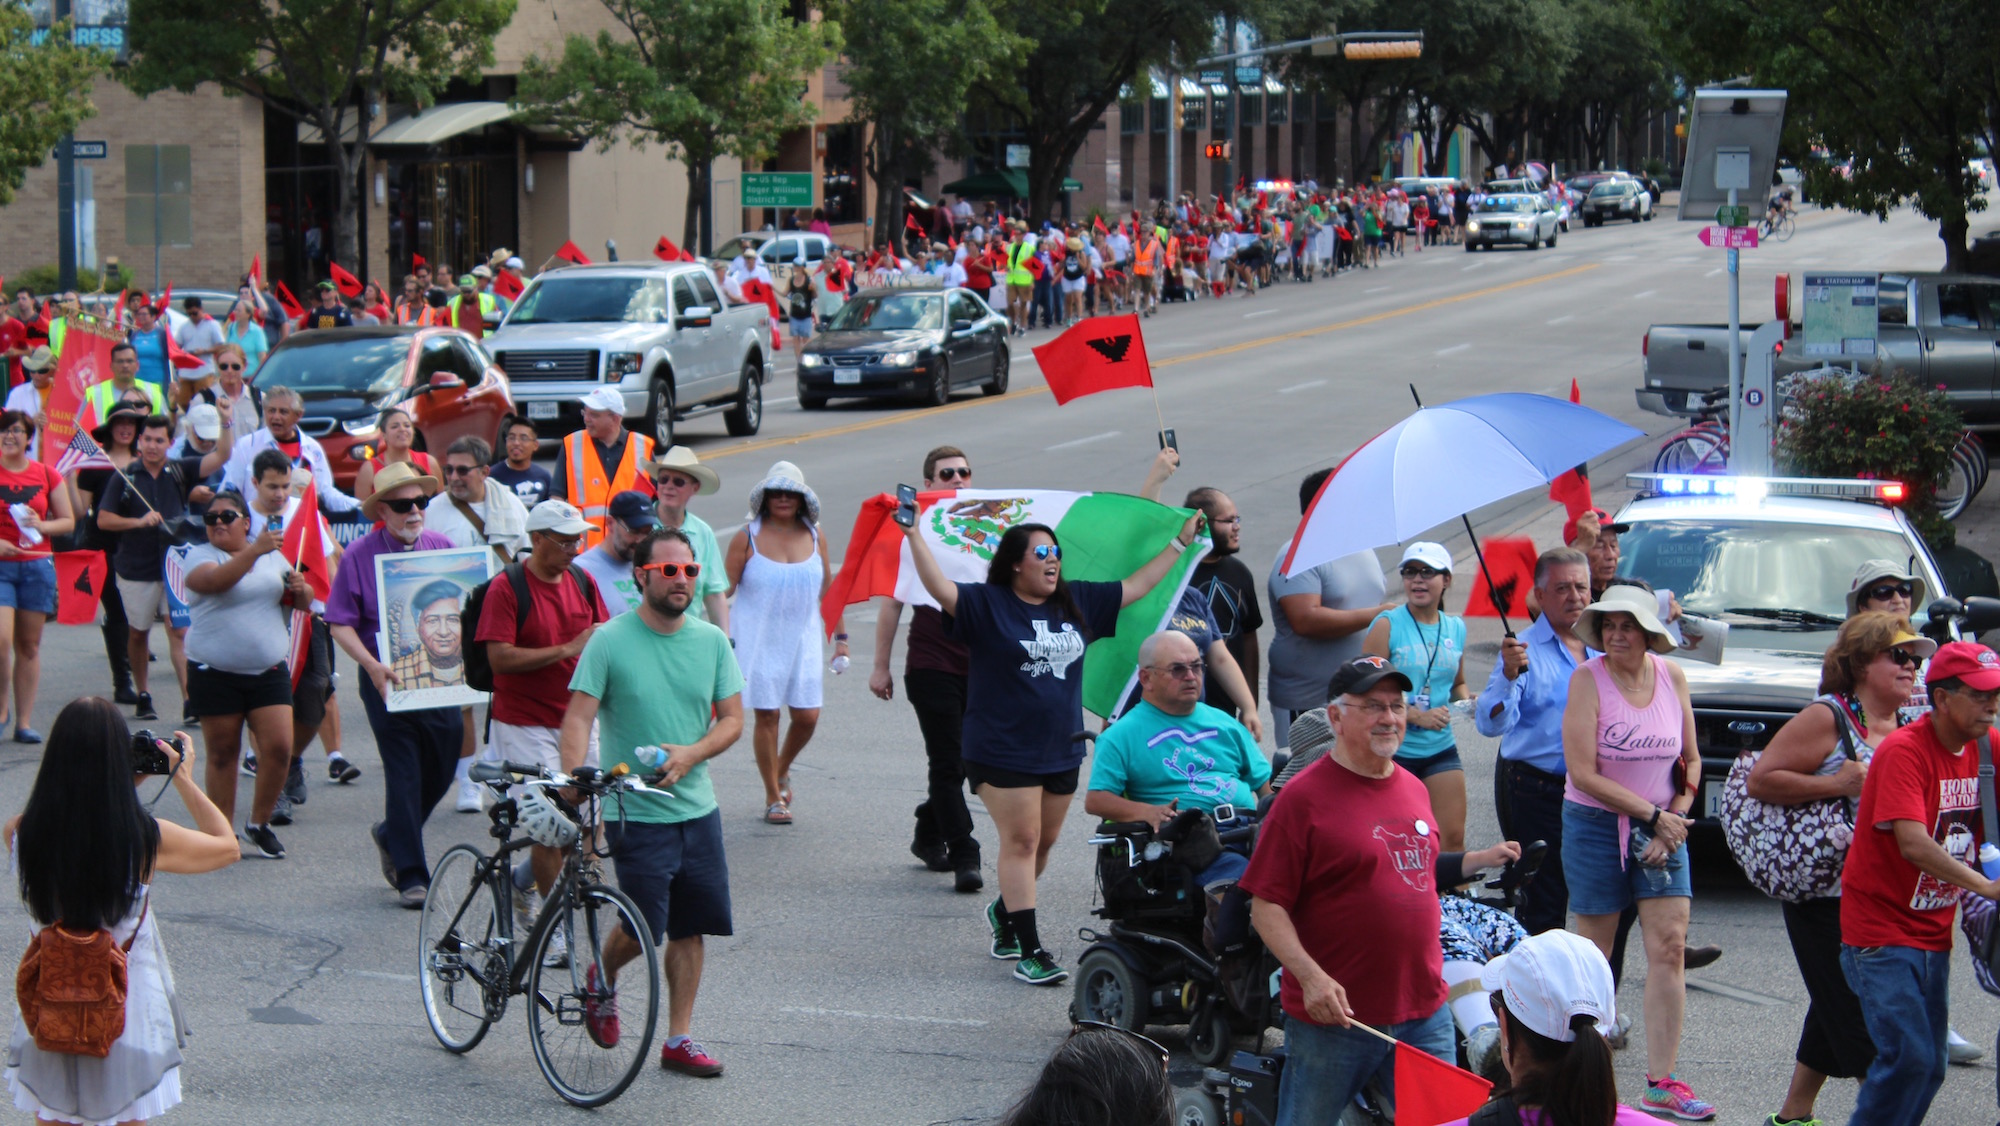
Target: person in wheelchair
column 1172, row 753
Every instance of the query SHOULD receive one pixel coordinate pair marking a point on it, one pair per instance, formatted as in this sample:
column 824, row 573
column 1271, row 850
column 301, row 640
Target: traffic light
column 1385, row 49
column 1216, row 150
column 1180, row 109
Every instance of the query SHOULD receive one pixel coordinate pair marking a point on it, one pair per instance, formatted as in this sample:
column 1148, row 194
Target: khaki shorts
column 145, row 603
column 535, row 746
column 1145, row 284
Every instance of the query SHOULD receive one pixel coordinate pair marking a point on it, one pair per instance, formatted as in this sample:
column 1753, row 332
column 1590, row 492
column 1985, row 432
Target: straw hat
column 1641, row 604
column 680, row 459
column 1874, row 571
column 395, row 476
column 784, row 477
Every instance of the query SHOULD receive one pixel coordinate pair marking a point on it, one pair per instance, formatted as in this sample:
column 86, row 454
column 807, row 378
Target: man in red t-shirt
column 1916, row 837
column 1353, row 837
column 534, row 658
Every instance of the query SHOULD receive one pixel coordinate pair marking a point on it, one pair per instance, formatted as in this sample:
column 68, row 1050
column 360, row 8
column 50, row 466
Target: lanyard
column 1433, row 649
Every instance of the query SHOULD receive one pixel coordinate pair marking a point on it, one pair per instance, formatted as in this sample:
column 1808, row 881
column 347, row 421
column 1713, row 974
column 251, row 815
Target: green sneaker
column 1005, row 947
column 1039, row 968
column 1774, row 1120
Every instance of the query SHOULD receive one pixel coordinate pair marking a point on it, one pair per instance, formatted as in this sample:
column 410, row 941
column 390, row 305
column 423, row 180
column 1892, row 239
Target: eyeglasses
column 1421, row 572
column 1048, row 551
column 1984, row 700
column 957, row 472
column 1138, row 1038
column 1226, row 520
column 567, row 543
column 402, row 505
column 223, row 517
column 1882, row 592
column 1904, row 658
column 460, row 470
column 228, row 367
column 672, row 570
column 14, row 431
column 1181, row 669
column 1378, row 708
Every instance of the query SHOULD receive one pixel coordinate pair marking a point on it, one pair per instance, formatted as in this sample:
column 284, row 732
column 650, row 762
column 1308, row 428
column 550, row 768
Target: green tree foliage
column 318, row 61
column 705, row 78
column 45, row 88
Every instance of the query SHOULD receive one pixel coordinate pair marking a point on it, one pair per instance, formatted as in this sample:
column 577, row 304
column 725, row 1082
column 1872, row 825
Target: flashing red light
column 1890, row 491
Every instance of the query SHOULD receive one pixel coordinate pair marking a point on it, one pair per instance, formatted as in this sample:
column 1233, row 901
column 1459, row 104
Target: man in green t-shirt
column 649, row 678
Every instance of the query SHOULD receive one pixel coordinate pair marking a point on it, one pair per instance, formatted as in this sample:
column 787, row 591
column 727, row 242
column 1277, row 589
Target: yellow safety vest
column 104, row 396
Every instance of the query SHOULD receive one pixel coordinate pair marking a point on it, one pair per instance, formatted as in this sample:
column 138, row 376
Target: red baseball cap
column 1969, row 663
column 1603, row 520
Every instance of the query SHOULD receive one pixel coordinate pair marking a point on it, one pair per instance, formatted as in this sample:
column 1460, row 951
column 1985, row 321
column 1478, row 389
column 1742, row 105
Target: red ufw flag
column 1511, row 561
column 417, row 262
column 1430, row 1092
column 80, row 578
column 166, row 299
column 178, row 356
column 1572, row 489
column 256, row 269
column 348, row 284
column 305, row 547
column 573, row 254
column 293, row 309
column 666, row 251
column 755, row 291
column 1100, row 354
column 507, row 285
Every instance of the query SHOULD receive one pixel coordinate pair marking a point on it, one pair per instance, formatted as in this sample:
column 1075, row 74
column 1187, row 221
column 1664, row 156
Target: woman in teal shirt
column 1428, row 646
column 244, row 332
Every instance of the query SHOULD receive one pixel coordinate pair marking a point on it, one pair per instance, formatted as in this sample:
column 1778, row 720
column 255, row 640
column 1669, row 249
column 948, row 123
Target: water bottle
column 652, row 757
column 30, row 535
column 1657, row 876
column 1989, row 860
column 839, row 664
column 1462, row 709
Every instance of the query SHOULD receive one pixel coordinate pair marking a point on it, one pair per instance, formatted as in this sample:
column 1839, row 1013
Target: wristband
column 1653, row 826
column 840, row 637
column 1179, row 547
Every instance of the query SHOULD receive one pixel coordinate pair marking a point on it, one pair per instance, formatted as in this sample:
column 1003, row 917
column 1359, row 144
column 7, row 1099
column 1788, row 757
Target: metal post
column 156, row 219
column 1173, row 141
column 65, row 192
column 1735, row 347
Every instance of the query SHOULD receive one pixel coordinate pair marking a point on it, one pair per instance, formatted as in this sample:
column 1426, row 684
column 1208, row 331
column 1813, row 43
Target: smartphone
column 906, row 506
column 1167, row 441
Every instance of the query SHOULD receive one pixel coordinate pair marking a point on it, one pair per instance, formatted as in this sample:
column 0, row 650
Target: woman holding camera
column 239, row 592
column 86, row 851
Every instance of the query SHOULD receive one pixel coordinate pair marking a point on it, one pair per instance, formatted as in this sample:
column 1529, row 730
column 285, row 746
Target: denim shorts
column 676, row 874
column 29, row 585
column 1597, row 884
column 1439, row 763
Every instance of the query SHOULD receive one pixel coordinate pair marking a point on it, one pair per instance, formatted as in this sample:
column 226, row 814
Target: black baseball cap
column 1363, row 673
column 632, row 509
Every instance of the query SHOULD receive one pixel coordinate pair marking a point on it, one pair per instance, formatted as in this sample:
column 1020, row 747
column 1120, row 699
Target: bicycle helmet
column 542, row 821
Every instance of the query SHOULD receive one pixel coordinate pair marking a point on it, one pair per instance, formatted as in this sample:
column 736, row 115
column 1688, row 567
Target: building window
column 159, row 195
column 1278, row 113
column 1131, row 118
column 1194, row 113
column 1253, row 109
column 1159, row 109
column 840, row 190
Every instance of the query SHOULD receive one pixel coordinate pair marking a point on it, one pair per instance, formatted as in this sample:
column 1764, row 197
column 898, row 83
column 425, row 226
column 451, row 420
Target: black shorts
column 1059, row 783
column 316, row 682
column 676, row 873
column 214, row 692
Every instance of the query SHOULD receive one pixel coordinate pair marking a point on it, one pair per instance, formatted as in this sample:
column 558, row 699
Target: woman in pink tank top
column 1629, row 746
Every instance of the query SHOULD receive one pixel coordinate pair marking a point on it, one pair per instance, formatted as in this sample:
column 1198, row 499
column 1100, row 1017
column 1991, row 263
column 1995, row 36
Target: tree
column 909, row 68
column 45, row 88
column 705, row 78
column 317, row 61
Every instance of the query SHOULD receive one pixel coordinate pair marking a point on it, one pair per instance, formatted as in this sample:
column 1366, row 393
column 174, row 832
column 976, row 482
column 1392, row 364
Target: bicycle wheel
column 1692, row 451
column 1787, row 227
column 461, row 967
column 582, row 1070
column 1956, row 488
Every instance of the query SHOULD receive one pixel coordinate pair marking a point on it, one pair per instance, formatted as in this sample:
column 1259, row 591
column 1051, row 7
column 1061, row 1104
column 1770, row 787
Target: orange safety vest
column 590, row 488
column 1143, row 264
column 1173, row 252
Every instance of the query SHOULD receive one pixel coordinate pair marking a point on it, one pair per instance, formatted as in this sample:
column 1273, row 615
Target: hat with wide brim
column 395, row 476
column 1874, row 571
column 133, row 411
column 680, row 459
column 1642, row 604
column 784, row 477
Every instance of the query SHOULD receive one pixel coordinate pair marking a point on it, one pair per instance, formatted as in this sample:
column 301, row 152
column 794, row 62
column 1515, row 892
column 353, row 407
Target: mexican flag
column 1104, row 536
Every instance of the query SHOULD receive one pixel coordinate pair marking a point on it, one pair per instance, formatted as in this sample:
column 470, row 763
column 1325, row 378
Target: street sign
column 1017, row 156
column 777, row 189
column 1737, row 216
column 1212, row 78
column 1839, row 318
column 1733, row 238
column 1250, row 76
column 90, row 150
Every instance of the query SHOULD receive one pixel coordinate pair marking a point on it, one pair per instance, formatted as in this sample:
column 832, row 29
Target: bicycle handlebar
column 588, row 779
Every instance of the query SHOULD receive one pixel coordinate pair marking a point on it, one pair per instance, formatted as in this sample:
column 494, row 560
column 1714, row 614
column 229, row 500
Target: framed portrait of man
column 423, row 631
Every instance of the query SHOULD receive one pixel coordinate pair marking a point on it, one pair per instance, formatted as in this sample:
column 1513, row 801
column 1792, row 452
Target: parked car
column 1617, row 199
column 779, row 248
column 347, row 376
column 1529, row 219
column 895, row 343
column 657, row 331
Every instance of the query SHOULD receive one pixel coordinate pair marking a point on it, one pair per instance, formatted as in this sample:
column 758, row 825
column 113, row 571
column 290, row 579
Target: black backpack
column 478, row 672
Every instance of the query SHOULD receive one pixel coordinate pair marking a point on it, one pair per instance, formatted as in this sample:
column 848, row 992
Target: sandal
column 785, row 790
column 777, row 814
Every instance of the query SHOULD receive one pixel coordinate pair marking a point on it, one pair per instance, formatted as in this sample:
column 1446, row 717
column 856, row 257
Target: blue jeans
column 1902, row 991
column 1325, row 1066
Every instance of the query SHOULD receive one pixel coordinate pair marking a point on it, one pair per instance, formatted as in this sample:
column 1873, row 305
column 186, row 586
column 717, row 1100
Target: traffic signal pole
column 65, row 190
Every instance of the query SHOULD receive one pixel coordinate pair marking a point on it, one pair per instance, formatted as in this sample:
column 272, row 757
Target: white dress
column 141, row 1078
column 775, row 622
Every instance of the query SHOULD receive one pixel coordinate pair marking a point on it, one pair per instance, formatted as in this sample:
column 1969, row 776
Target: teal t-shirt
column 707, row 552
column 1429, row 656
column 1201, row 759
column 655, row 689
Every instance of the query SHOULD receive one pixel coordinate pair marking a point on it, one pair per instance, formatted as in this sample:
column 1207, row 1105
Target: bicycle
column 469, row 962
column 1704, row 446
column 1777, row 226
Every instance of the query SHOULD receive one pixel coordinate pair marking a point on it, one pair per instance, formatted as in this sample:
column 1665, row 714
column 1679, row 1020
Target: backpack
column 478, row 671
column 71, row 989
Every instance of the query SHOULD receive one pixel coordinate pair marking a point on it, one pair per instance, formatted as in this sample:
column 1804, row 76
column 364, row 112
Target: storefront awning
column 1011, row 183
column 441, row 123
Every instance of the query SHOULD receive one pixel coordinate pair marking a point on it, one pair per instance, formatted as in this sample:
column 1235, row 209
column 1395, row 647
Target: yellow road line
column 1229, row 349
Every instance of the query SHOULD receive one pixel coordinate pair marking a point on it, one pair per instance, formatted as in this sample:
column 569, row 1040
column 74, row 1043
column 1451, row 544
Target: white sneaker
column 527, row 905
column 1960, row 1050
column 557, row 953
column 468, row 796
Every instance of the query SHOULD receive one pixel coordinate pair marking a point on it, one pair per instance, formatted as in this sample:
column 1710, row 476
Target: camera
column 148, row 757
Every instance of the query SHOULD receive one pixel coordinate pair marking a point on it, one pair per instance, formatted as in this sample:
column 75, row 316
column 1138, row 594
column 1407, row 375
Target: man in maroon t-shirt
column 1353, row 837
column 533, row 659
column 1916, row 837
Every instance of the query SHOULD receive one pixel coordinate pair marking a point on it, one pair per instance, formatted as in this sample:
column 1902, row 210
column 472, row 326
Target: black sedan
column 897, row 343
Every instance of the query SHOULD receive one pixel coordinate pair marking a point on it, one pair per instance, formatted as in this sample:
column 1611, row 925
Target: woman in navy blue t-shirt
column 1026, row 630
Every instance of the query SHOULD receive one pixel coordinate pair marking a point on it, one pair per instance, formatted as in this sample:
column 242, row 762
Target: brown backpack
column 71, row 989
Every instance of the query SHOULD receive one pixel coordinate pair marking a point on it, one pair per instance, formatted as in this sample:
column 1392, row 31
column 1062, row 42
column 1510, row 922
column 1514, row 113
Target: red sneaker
column 600, row 1017
column 690, row 1058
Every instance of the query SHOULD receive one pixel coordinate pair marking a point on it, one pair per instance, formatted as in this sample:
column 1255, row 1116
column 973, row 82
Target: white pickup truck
column 659, row 332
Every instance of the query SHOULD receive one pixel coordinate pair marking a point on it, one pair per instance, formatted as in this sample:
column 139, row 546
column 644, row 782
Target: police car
column 1773, row 558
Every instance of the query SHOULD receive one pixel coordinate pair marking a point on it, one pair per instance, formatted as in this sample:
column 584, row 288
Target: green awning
column 1011, row 183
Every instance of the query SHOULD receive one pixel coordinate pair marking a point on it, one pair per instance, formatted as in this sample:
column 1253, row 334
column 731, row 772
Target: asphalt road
column 857, row 987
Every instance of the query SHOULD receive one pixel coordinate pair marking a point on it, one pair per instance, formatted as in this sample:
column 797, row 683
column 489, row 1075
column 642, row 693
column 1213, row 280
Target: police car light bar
column 1757, row 488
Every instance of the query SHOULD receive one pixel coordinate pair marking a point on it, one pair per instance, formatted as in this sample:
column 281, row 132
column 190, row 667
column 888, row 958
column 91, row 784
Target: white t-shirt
column 205, row 333
column 1121, row 247
column 614, row 578
column 954, row 274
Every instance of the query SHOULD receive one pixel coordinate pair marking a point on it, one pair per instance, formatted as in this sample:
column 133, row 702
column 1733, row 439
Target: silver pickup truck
column 659, row 332
column 1940, row 328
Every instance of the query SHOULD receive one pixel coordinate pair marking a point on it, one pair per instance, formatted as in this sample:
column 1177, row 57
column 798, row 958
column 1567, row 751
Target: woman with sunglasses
column 1022, row 718
column 27, row 570
column 1823, row 752
column 245, row 330
column 240, row 591
column 1428, row 646
column 1884, row 585
column 399, row 435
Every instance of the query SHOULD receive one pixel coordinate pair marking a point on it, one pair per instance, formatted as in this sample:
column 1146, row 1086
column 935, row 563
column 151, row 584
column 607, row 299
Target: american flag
column 81, row 453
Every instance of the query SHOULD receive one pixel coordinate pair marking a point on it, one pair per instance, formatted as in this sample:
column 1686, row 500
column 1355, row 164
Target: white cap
column 1550, row 978
column 557, row 516
column 481, row 272
column 604, row 399
column 205, row 422
column 1432, row 555
column 515, row 264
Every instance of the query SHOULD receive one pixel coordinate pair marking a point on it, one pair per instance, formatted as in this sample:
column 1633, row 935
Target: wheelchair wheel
column 1210, row 1040
column 1196, row 1107
column 1108, row 990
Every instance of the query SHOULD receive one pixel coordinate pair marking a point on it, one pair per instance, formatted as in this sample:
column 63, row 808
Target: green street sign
column 1737, row 216
column 777, row 189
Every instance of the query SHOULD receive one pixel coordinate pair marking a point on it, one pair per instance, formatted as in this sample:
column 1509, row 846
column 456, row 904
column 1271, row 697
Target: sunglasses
column 1048, row 551
column 223, row 517
column 953, row 472
column 673, row 570
column 1904, row 658
column 1144, row 1041
column 1180, row 669
column 460, row 470
column 229, row 367
column 671, row 481
column 402, row 505
column 1421, row 572
column 1882, row 592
